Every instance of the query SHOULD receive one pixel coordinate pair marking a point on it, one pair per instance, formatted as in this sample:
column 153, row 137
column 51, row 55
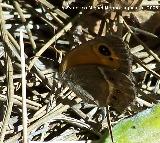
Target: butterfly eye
column 104, row 50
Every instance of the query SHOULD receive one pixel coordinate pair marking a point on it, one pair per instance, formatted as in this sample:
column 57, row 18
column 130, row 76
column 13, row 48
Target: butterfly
column 99, row 71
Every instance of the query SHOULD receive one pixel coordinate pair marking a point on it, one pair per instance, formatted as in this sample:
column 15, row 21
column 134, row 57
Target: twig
column 77, row 123
column 141, row 101
column 18, row 102
column 143, row 32
column 144, row 66
column 54, row 9
column 10, row 90
column 9, row 16
column 101, row 28
column 120, row 24
column 24, row 108
column 52, row 40
column 19, row 10
column 7, row 6
column 136, row 49
column 139, row 68
column 14, row 42
column 5, row 37
column 53, row 15
column 41, row 121
column 39, row 15
column 10, row 93
column 39, row 114
column 30, row 102
column 147, row 96
column 109, row 124
column 143, row 44
column 108, row 113
column 38, row 72
column 16, row 76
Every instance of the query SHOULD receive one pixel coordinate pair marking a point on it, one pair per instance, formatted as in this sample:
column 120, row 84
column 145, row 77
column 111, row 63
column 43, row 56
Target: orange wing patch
column 106, row 51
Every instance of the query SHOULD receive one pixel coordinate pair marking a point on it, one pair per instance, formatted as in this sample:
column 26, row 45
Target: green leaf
column 141, row 128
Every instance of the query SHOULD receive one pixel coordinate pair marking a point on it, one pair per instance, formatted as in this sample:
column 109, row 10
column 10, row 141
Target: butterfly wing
column 105, row 51
column 88, row 83
column 123, row 90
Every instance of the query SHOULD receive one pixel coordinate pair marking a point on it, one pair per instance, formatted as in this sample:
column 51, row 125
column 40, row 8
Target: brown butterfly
column 99, row 71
